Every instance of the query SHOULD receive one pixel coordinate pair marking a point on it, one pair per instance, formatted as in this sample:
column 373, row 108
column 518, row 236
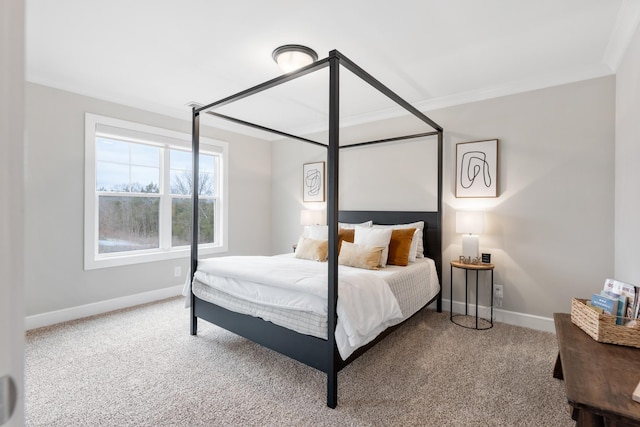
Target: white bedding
column 366, row 305
column 284, row 284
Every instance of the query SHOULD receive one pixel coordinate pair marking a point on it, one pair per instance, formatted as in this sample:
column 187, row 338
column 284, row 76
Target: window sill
column 140, row 258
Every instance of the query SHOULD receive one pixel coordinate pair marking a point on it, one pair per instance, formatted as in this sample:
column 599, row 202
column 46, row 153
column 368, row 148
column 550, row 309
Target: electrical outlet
column 177, row 271
column 498, row 295
column 498, row 291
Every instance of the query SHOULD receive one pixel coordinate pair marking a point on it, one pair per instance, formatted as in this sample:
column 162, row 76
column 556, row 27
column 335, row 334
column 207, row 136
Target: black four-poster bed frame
column 315, row 352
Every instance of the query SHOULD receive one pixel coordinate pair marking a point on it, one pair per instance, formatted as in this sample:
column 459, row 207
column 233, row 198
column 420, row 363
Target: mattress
column 412, row 287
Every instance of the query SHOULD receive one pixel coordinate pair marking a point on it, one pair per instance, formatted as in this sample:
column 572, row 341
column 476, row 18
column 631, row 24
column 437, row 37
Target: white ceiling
column 158, row 55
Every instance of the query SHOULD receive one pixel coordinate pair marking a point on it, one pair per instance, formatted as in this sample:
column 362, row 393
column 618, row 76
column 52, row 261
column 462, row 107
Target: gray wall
column 551, row 229
column 627, row 203
column 54, row 275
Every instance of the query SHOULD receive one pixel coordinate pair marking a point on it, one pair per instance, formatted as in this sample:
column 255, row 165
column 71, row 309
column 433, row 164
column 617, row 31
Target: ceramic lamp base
column 470, row 245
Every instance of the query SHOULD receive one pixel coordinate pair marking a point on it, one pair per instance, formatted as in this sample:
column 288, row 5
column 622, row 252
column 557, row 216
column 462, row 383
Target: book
column 628, row 290
column 607, row 304
column 621, row 311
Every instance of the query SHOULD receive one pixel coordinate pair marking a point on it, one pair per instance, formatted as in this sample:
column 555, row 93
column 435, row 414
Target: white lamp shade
column 311, row 217
column 468, row 222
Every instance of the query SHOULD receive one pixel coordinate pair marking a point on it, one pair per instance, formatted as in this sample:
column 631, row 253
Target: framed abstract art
column 313, row 182
column 477, row 169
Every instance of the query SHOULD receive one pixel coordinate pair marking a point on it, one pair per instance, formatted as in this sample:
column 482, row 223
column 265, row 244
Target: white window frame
column 94, row 125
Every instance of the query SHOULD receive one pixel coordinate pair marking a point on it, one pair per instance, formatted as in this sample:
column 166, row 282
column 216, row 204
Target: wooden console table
column 599, row 378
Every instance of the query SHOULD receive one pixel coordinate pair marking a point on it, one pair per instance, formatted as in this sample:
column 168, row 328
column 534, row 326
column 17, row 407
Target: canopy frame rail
column 318, row 65
column 333, row 61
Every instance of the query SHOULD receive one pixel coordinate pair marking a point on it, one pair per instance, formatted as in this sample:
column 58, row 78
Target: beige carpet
column 140, row 367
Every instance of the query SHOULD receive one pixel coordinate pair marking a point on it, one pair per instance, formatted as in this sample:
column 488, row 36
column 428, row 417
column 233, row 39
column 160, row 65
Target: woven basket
column 602, row 327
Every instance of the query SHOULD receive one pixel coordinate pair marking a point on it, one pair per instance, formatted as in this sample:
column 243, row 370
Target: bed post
column 439, row 249
column 332, row 222
column 195, row 151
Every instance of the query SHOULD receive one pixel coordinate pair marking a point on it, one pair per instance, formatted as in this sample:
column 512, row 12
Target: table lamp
column 470, row 224
column 311, row 217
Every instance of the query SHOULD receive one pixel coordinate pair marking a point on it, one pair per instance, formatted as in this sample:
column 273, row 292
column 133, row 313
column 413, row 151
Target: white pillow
column 348, row 226
column 321, row 232
column 413, row 251
column 316, row 232
column 367, row 236
column 417, row 245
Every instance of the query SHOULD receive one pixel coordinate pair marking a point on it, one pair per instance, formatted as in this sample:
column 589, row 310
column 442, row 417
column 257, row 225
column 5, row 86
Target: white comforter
column 366, row 305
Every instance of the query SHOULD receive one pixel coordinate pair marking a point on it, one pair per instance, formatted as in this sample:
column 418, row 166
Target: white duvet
column 366, row 305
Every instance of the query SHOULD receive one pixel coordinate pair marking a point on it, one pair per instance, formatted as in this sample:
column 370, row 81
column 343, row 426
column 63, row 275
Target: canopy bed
column 319, row 350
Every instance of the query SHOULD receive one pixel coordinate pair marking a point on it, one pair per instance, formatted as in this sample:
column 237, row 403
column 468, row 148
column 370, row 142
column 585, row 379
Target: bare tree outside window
column 128, row 219
column 181, row 209
column 127, row 223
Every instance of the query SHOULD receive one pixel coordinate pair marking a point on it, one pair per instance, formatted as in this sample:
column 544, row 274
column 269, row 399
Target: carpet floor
column 140, row 367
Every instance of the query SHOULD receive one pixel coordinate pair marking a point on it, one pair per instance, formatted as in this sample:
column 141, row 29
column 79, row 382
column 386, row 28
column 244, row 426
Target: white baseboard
column 51, row 318
column 73, row 313
column 538, row 323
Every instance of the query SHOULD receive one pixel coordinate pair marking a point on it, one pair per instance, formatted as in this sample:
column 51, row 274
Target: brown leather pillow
column 400, row 246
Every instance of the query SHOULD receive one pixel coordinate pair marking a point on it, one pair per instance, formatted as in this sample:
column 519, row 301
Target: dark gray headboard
column 432, row 236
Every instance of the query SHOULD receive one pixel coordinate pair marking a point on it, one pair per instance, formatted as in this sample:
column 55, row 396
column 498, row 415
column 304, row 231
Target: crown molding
column 512, row 88
column 525, row 85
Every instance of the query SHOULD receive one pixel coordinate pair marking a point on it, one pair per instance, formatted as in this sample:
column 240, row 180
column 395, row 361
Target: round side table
column 477, row 268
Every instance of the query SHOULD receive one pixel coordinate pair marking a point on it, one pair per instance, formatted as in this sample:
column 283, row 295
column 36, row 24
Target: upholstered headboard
column 432, row 237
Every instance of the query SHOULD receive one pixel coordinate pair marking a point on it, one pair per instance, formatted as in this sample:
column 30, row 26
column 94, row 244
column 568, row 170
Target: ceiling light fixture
column 293, row 56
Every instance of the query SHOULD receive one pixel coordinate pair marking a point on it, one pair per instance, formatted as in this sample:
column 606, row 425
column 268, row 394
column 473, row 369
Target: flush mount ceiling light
column 293, row 56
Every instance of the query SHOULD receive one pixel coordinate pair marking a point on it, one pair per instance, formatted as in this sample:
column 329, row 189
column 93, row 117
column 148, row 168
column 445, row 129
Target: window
column 138, row 184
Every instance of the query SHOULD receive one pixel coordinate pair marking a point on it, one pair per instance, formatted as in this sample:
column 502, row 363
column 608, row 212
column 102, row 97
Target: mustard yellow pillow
column 311, row 249
column 400, row 246
column 353, row 255
column 345, row 235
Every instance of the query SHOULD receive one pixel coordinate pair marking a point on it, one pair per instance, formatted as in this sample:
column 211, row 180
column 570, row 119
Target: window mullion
column 165, row 200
